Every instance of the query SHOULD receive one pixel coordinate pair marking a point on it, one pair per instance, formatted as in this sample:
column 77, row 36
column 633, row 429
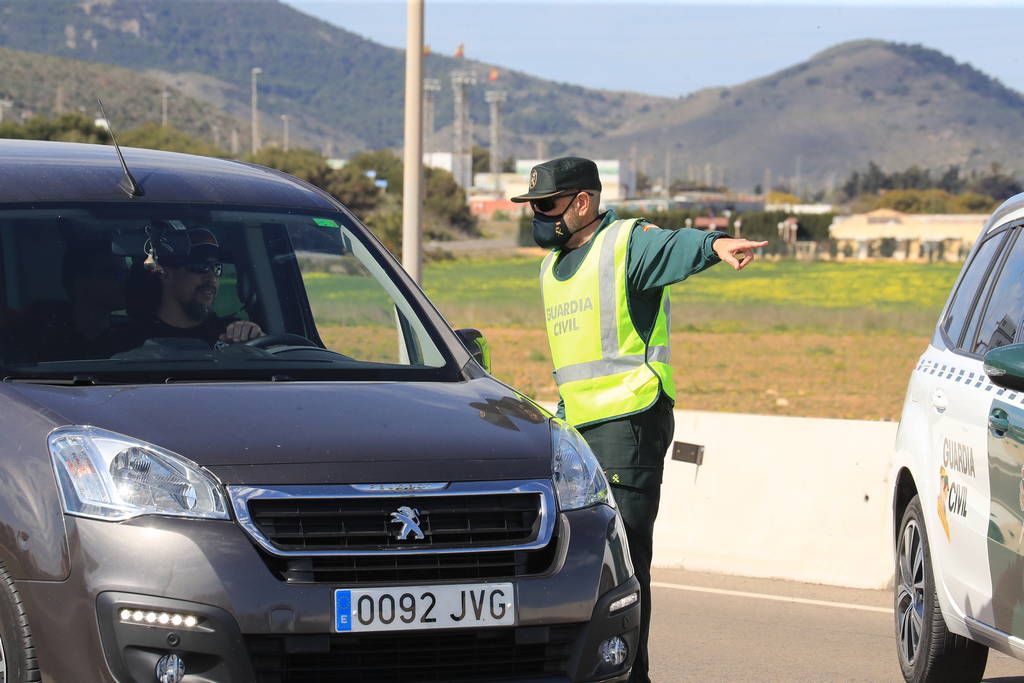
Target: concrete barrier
column 780, row 497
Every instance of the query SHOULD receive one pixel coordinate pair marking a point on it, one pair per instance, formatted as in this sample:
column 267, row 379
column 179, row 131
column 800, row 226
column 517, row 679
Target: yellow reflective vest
column 603, row 367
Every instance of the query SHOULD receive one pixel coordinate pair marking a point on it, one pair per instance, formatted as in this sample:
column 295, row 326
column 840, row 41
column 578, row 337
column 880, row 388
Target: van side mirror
column 477, row 346
column 1005, row 366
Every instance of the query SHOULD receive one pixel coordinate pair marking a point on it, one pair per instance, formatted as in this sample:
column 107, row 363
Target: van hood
column 319, row 432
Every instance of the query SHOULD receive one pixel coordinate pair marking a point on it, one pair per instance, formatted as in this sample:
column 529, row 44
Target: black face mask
column 552, row 232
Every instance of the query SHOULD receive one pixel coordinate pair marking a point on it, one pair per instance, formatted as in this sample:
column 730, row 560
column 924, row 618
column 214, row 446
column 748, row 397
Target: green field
column 784, row 338
column 784, row 296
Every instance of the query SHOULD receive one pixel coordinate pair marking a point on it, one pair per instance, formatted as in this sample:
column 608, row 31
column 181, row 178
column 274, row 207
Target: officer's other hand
column 737, row 253
column 241, row 331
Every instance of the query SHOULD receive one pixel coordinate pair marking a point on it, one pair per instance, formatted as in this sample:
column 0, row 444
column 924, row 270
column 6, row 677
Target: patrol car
column 958, row 478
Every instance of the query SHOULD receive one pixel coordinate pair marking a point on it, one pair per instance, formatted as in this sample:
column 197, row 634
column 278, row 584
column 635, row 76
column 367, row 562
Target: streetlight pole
column 412, row 196
column 284, row 120
column 256, row 71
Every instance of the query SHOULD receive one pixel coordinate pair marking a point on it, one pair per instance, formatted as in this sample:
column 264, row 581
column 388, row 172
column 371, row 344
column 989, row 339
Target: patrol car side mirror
column 477, row 346
column 1005, row 366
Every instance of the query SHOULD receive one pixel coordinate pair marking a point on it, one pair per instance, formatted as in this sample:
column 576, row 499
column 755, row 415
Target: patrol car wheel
column 928, row 652
column 17, row 654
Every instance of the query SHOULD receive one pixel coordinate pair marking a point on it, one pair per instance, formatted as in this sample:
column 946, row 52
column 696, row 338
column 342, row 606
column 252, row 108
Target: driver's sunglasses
column 204, row 267
column 549, row 203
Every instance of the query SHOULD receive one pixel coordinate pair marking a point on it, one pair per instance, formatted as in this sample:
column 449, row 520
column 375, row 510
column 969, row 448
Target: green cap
column 561, row 176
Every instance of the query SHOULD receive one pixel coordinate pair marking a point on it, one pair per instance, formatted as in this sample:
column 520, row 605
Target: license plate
column 467, row 605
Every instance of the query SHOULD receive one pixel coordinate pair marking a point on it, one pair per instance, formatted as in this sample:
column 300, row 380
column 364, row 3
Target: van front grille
column 372, row 523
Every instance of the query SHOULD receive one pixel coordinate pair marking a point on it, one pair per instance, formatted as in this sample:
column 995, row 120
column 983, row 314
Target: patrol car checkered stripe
column 960, row 375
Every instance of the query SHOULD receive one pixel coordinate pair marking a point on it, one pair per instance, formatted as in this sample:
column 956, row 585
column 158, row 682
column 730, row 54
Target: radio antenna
column 128, row 183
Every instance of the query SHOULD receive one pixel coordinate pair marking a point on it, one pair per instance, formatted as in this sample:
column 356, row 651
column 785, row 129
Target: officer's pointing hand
column 737, row 253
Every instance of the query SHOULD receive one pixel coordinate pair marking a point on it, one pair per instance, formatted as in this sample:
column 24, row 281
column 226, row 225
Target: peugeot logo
column 409, row 518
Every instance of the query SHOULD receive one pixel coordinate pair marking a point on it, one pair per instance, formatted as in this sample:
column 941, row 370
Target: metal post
column 431, row 86
column 284, row 121
column 256, row 71
column 412, row 196
column 668, row 173
column 163, row 108
column 462, row 168
column 495, row 99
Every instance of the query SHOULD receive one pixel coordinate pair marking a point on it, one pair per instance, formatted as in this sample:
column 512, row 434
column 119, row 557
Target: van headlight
column 579, row 480
column 104, row 475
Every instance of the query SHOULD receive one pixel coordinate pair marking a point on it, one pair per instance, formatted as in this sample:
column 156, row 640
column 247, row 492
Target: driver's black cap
column 561, row 176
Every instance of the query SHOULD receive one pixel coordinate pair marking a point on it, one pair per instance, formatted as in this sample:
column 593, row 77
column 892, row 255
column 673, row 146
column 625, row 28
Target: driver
column 188, row 266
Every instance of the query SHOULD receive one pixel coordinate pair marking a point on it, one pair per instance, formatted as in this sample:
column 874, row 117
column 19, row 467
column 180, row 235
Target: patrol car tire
column 17, row 653
column 940, row 655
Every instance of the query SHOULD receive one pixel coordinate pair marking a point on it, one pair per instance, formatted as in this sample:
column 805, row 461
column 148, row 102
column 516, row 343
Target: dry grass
column 811, row 375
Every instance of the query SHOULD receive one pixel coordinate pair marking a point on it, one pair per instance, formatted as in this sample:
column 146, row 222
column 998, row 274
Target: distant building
column 886, row 233
column 486, row 206
column 801, row 209
column 713, row 202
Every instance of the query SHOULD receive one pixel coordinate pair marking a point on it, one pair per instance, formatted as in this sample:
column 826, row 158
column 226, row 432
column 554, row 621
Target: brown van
column 239, row 444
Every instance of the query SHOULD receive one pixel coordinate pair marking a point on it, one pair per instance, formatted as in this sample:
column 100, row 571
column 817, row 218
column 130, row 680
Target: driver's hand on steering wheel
column 241, row 331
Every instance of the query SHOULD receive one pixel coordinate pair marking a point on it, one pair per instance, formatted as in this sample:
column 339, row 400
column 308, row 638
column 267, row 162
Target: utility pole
column 462, row 168
column 256, row 71
column 216, row 135
column 235, row 145
column 797, row 180
column 431, row 86
column 668, row 172
column 163, row 108
column 633, row 168
column 495, row 98
column 284, row 121
column 412, row 193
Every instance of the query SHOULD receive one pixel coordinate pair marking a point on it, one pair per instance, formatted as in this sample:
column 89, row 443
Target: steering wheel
column 283, row 339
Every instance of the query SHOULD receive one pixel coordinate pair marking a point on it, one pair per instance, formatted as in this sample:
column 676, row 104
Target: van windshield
column 144, row 292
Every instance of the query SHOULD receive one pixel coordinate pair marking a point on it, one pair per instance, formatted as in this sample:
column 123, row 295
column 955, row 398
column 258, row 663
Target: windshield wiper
column 72, row 381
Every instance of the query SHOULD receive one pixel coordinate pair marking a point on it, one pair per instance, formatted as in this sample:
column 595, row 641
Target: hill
column 32, row 81
column 867, row 100
column 894, row 104
column 335, row 85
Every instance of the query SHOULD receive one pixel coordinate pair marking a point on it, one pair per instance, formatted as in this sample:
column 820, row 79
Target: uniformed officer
column 606, row 301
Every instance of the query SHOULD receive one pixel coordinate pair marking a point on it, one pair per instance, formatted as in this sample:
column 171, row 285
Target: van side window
column 963, row 300
column 1002, row 315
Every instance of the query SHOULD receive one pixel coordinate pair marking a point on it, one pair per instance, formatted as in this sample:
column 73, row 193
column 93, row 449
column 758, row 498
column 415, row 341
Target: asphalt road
column 716, row 628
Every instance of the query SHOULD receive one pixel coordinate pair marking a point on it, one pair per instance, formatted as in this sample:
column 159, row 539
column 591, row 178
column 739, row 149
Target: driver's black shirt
column 209, row 331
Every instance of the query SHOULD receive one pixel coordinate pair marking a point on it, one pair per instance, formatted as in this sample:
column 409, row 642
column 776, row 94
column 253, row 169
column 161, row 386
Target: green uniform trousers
column 632, row 452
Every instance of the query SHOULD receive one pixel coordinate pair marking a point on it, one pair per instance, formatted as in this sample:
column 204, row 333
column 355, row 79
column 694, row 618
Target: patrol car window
column 1001, row 318
column 962, row 304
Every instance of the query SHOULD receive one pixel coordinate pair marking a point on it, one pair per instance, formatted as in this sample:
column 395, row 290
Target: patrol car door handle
column 998, row 423
column 939, row 401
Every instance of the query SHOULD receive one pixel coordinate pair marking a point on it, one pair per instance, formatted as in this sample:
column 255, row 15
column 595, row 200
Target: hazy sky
column 675, row 47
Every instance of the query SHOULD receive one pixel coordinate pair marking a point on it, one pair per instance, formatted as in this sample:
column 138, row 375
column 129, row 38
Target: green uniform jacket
column 655, row 258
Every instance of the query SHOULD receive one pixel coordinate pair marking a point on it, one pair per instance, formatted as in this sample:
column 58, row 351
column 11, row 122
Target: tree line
column 446, row 214
column 920, row 190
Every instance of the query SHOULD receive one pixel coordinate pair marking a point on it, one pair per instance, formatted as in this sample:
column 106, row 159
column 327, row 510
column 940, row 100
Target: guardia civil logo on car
column 958, row 475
